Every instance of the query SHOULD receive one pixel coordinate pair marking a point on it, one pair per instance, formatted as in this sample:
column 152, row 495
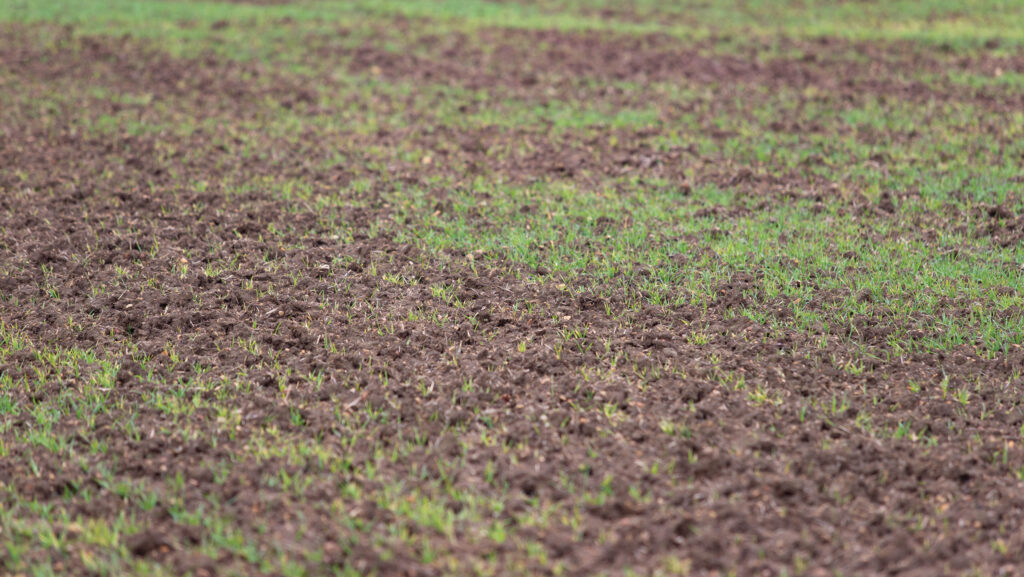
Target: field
column 517, row 287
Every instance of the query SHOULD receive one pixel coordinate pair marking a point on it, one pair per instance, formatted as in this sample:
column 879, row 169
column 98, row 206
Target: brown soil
column 526, row 62
column 789, row 458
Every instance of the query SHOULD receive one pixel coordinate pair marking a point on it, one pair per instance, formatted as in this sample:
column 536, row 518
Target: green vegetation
column 958, row 24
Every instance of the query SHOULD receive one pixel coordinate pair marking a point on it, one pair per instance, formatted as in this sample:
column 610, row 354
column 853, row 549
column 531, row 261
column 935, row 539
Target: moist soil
column 646, row 433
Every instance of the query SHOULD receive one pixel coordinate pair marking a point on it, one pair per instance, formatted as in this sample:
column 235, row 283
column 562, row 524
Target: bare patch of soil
column 529, row 61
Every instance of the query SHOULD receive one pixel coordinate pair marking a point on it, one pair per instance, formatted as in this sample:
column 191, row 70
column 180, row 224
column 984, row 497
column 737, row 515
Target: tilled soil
column 289, row 378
